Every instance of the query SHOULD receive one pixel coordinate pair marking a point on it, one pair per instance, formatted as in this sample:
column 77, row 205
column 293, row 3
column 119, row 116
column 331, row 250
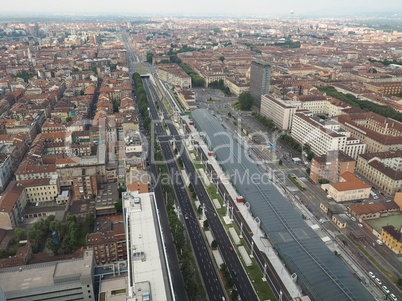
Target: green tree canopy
column 246, row 101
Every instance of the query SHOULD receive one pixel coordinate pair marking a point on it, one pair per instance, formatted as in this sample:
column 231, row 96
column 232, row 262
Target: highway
column 242, row 282
column 206, row 267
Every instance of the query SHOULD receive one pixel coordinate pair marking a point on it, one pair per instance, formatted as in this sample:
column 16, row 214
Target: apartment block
column 330, row 166
column 280, row 112
column 380, row 134
column 6, row 170
column 85, row 187
column 383, row 169
column 110, row 246
column 392, row 238
column 175, row 75
column 320, row 137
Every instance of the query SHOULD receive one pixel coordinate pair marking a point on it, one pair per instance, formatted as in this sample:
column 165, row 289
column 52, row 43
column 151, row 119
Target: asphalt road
column 206, row 267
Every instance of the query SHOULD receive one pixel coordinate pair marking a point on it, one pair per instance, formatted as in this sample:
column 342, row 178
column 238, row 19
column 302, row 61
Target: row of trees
column 219, row 84
column 297, row 146
column 368, row 106
column 229, row 281
column 24, row 75
column 265, row 121
column 386, row 62
column 143, row 104
column 197, row 81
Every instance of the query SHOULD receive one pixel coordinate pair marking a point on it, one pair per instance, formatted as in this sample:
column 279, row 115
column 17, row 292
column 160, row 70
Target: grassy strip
column 295, row 182
column 167, row 105
column 213, row 100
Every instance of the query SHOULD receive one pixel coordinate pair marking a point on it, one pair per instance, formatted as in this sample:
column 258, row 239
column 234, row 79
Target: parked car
column 360, row 225
column 385, row 289
column 378, row 281
column 372, row 275
column 379, row 242
column 393, row 297
column 353, row 219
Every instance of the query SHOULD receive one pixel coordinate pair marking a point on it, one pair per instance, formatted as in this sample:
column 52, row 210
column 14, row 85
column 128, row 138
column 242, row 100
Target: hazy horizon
column 205, row 7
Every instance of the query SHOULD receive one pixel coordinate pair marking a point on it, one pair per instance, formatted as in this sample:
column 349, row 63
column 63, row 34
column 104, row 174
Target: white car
column 353, row 219
column 393, row 297
column 385, row 289
column 372, row 275
column 360, row 225
column 379, row 242
column 378, row 281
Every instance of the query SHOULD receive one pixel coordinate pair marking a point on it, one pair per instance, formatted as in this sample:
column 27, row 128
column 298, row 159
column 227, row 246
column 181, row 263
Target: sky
column 202, row 7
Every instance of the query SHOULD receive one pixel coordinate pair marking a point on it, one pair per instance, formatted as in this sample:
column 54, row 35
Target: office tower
column 260, row 77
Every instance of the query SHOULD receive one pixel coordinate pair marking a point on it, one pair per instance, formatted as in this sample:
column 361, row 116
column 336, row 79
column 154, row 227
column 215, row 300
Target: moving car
column 234, row 272
column 353, row 219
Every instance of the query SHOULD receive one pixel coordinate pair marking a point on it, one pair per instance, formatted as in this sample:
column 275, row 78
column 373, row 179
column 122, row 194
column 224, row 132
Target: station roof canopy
column 320, row 273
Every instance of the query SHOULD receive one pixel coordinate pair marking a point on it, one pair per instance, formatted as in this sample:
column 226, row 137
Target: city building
column 319, row 136
column 85, row 187
column 330, row 166
column 379, row 133
column 110, row 246
column 383, row 169
column 323, row 136
column 175, row 75
column 71, row 279
column 367, row 211
column 280, row 112
column 6, row 170
column 348, row 188
column 143, row 249
column 260, row 77
column 392, row 238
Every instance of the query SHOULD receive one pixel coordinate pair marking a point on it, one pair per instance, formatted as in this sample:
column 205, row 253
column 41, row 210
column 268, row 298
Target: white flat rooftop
column 143, row 243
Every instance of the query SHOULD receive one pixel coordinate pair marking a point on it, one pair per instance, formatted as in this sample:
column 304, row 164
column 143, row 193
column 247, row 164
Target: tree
column 52, row 245
column 222, row 58
column 214, row 244
column 71, row 219
column 199, row 209
column 246, row 101
column 20, row 234
column 206, row 224
column 82, row 92
column 149, row 57
column 90, row 221
column 69, row 119
column 230, row 115
column 323, row 181
column 280, row 162
column 119, row 206
column 234, row 295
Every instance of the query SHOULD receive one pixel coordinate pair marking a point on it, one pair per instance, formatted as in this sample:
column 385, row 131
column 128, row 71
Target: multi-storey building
column 6, row 170
column 330, row 166
column 110, row 246
column 380, row 134
column 280, row 112
column 385, row 87
column 175, row 75
column 320, row 137
column 12, row 205
column 85, row 187
column 392, row 238
column 42, row 190
column 383, row 169
column 260, row 77
column 28, row 171
column 70, row 279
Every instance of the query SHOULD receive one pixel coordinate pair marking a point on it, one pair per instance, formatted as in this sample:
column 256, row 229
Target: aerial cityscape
column 201, row 151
